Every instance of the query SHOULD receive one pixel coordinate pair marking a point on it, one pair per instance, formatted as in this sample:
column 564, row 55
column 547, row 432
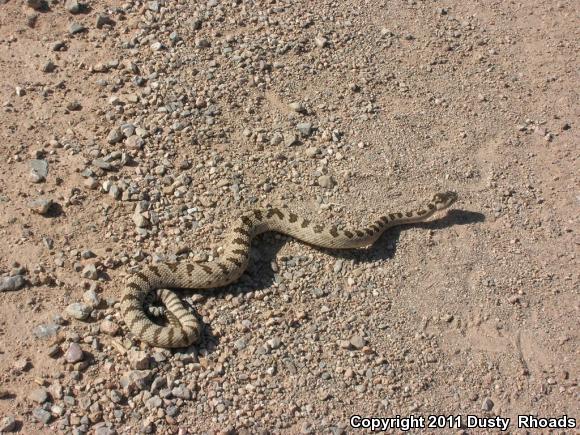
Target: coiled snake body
column 184, row 329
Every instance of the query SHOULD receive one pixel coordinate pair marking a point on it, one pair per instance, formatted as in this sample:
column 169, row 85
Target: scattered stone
column 181, row 392
column 357, row 341
column 487, row 404
column 79, row 311
column 90, row 272
column 136, row 143
column 54, row 351
column 305, row 128
column 321, row 41
column 154, row 403
column 116, row 396
column 33, row 17
column 140, row 220
column 40, row 206
column 46, row 331
column 109, row 327
column 297, row 107
column 128, row 130
column 41, row 415
column 138, row 359
column 202, row 43
column 290, row 139
column 115, row 136
column 100, row 68
column 7, row 424
column 74, row 106
column 100, row 163
column 21, row 365
column 12, row 283
column 105, row 430
column 153, row 6
column 91, row 183
column 73, row 6
column 75, row 28
column 87, row 253
column 48, row 67
column 275, row 342
column 135, row 380
column 312, row 151
column 39, row 395
column 103, row 20
column 91, row 298
column 326, row 181
column 58, row 46
column 276, row 139
column 74, row 353
column 35, row 4
column 157, row 46
column 38, row 170
column 114, row 191
column 240, row 344
column 318, row 292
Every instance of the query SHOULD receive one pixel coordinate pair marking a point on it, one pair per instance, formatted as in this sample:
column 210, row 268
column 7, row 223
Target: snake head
column 443, row 200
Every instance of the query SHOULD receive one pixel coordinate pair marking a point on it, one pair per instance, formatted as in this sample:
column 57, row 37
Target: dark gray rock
column 305, row 128
column 75, row 28
column 41, row 415
column 73, row 6
column 11, row 283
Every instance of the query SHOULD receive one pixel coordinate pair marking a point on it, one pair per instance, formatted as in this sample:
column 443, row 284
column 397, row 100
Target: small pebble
column 90, row 272
column 321, row 41
column 487, row 404
column 7, row 424
column 40, row 206
column 297, row 107
column 326, row 181
column 74, row 353
column 357, row 341
column 109, row 327
column 75, row 28
column 35, row 4
column 73, row 6
column 41, row 415
column 79, row 311
column 38, row 395
column 12, row 283
column 103, row 20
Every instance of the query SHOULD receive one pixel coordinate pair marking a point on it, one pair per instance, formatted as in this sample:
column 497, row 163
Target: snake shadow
column 259, row 275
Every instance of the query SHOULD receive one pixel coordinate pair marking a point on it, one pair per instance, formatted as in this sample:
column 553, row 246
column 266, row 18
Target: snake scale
column 183, row 328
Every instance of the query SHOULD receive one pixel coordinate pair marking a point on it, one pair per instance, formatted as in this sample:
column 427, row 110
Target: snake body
column 183, row 328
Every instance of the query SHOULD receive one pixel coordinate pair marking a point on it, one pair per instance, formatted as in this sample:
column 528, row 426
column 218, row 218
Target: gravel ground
column 134, row 133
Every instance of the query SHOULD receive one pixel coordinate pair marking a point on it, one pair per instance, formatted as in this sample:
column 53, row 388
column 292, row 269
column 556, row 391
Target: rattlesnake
column 184, row 329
